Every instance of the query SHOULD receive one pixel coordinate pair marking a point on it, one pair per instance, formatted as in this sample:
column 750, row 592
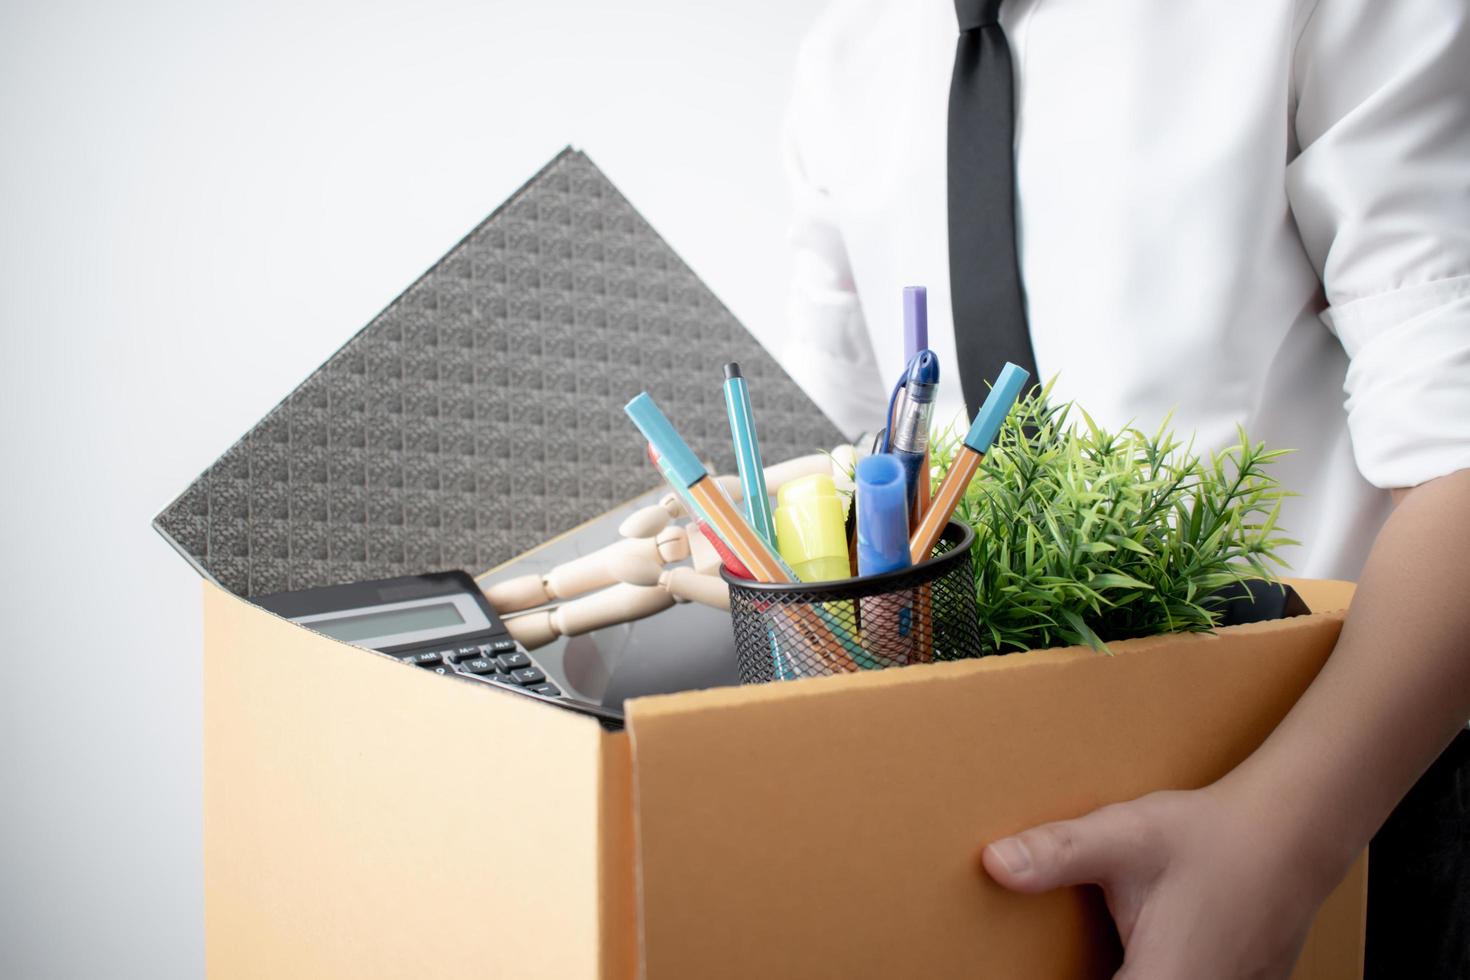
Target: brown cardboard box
column 367, row 819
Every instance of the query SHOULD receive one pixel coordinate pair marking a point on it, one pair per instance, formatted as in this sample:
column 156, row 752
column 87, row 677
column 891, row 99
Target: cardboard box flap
column 353, row 845
column 756, row 806
column 481, row 412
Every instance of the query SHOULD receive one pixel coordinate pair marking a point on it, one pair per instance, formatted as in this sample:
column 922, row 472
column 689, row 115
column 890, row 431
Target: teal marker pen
column 748, row 455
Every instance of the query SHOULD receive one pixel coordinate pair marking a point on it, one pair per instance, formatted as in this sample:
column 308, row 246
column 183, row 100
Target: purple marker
column 915, row 321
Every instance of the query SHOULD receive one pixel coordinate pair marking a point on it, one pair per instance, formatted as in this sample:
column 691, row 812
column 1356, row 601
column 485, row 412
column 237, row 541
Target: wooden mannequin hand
column 1199, row 884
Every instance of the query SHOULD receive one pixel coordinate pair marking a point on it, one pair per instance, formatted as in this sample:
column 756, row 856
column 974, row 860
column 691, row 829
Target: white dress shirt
column 1252, row 212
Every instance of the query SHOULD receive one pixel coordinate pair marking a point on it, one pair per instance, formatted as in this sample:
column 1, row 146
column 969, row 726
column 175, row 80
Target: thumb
column 1089, row 850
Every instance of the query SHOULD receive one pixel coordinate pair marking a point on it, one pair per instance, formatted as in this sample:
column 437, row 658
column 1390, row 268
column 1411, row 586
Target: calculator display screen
column 363, row 626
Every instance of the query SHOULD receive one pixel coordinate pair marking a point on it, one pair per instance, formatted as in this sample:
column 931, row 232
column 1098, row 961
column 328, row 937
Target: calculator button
column 502, row 646
column 464, row 652
column 427, row 658
column 528, row 675
column 439, row 668
column 510, row 661
column 550, row 690
column 479, row 665
column 505, row 679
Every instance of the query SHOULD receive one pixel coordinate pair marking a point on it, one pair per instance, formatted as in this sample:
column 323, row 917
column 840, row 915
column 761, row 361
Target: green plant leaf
column 1084, row 632
column 1117, row 580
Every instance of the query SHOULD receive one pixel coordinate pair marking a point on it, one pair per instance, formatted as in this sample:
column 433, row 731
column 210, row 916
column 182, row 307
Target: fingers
column 1089, row 850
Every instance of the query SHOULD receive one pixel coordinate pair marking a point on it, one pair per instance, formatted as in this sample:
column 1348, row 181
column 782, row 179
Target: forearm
column 1393, row 694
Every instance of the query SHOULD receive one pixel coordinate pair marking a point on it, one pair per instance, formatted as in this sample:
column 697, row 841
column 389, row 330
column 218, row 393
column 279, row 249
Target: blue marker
column 882, row 515
column 748, row 455
column 883, row 546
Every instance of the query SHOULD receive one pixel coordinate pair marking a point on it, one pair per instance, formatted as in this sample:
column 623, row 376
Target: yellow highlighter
column 810, row 530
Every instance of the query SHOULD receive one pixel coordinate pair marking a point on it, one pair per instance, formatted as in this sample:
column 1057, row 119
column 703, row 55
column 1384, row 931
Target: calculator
column 440, row 622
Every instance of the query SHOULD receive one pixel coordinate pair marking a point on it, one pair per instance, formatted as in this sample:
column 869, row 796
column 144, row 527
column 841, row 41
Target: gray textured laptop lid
column 481, row 413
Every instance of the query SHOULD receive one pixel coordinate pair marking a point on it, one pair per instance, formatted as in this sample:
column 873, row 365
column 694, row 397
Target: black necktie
column 984, row 277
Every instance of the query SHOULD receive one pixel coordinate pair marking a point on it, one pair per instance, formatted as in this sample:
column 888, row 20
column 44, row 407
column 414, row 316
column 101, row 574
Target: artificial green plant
column 1085, row 535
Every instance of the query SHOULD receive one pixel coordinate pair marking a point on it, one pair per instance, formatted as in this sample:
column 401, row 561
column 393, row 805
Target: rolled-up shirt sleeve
column 1380, row 189
column 827, row 349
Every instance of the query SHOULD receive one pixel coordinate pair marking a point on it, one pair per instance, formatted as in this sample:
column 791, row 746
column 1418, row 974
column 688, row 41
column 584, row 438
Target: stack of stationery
column 897, row 521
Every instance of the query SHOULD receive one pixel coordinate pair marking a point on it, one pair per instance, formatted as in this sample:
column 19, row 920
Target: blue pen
column 915, row 339
column 908, row 435
column 748, row 455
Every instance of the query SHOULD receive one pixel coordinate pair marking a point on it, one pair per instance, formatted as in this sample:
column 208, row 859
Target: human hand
column 1200, row 884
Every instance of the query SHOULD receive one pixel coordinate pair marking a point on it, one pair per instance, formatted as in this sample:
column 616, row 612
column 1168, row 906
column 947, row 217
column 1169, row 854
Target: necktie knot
column 973, row 14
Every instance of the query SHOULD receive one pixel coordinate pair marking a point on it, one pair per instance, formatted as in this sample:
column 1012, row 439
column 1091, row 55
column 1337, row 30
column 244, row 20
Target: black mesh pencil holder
column 917, row 615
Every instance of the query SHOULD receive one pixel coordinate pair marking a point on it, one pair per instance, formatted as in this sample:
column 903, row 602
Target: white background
column 198, row 203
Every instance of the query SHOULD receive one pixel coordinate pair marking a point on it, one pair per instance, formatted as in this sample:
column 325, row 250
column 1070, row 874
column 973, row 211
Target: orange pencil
column 684, row 467
column 977, row 442
column 925, row 496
